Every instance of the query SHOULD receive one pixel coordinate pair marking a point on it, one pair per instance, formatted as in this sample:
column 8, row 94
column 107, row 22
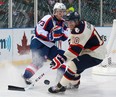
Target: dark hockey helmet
column 73, row 16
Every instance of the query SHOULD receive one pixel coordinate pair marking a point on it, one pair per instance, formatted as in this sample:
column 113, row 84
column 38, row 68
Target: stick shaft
column 17, row 88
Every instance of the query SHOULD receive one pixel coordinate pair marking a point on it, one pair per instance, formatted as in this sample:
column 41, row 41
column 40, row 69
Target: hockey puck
column 47, row 82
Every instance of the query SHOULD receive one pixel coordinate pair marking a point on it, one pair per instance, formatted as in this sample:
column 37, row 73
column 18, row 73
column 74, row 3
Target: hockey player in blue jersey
column 86, row 50
column 48, row 30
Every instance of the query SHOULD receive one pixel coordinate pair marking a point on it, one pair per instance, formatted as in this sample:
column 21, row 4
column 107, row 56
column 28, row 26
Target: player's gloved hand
column 54, row 37
column 55, row 34
column 58, row 61
column 57, row 30
column 50, row 37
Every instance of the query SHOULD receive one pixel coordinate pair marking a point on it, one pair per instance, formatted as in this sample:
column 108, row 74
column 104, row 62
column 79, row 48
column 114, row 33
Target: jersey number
column 41, row 23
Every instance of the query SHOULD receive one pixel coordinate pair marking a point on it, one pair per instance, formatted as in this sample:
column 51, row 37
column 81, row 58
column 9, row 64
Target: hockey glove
column 58, row 61
column 55, row 34
column 57, row 30
column 54, row 37
column 50, row 37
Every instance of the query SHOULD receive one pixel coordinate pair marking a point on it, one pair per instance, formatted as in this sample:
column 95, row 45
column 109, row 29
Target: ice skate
column 56, row 89
column 71, row 86
column 76, row 85
column 26, row 76
column 27, row 81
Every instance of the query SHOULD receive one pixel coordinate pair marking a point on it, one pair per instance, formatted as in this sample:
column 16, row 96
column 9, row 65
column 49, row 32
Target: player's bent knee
column 72, row 66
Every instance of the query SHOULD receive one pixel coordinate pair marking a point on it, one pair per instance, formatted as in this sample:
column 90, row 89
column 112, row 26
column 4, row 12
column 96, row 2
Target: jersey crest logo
column 75, row 40
column 77, row 30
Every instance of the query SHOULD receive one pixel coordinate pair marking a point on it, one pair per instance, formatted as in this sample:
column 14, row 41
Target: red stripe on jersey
column 78, row 45
column 57, row 35
column 71, row 71
column 74, row 52
column 67, row 77
column 93, row 48
column 40, row 35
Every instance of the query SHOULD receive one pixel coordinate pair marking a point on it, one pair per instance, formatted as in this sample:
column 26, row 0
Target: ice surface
column 91, row 85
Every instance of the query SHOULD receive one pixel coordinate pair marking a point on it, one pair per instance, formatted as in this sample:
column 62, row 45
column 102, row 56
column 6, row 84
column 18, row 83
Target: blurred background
column 26, row 13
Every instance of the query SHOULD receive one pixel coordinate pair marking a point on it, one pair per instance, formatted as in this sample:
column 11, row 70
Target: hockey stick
column 17, row 88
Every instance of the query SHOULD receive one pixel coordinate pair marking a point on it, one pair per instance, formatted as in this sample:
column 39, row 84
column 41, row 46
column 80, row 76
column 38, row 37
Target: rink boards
column 14, row 43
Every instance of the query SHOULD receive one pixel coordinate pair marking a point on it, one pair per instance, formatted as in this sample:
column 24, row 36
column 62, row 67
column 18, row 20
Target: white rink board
column 17, row 39
column 6, row 44
column 22, row 38
column 9, row 41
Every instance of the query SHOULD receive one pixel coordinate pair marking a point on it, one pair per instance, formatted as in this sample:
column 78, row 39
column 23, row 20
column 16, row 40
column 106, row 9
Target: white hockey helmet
column 59, row 6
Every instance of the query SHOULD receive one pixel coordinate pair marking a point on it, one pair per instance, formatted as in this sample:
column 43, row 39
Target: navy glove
column 58, row 61
column 50, row 37
column 57, row 30
column 55, row 34
column 54, row 37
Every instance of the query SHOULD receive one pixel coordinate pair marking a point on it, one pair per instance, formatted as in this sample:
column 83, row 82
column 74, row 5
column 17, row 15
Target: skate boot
column 56, row 89
column 76, row 85
column 27, row 81
column 26, row 76
column 72, row 86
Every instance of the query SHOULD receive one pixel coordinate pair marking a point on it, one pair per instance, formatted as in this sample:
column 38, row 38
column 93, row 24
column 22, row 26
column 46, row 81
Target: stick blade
column 16, row 88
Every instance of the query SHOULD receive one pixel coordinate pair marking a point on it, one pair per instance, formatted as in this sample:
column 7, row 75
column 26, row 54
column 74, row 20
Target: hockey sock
column 30, row 71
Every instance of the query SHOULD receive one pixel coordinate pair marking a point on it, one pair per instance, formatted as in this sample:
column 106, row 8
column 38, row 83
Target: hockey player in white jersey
column 48, row 30
column 86, row 50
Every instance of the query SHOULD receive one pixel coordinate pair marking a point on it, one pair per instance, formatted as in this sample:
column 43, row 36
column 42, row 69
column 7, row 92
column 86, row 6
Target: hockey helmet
column 59, row 6
column 73, row 16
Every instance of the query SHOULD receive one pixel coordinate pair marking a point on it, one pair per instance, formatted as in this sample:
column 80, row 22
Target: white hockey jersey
column 84, row 39
column 44, row 27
